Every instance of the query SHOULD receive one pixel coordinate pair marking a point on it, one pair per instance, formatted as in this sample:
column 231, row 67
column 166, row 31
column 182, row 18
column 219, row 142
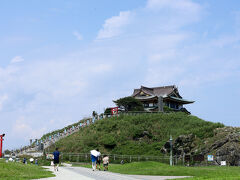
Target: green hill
column 20, row 171
column 143, row 134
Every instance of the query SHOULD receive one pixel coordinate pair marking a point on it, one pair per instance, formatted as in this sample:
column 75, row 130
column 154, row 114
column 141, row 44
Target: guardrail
column 188, row 160
column 113, row 158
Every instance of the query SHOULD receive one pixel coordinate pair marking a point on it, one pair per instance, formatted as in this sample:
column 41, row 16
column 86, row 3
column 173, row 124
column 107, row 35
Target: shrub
column 108, row 141
column 129, row 104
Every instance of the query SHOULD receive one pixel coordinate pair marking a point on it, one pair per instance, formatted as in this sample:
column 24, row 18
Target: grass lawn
column 19, row 171
column 155, row 168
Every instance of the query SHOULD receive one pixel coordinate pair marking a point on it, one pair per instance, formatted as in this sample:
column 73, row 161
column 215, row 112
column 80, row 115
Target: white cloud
column 102, row 68
column 16, row 40
column 157, row 17
column 182, row 5
column 225, row 40
column 114, row 25
column 77, row 35
column 175, row 14
column 236, row 15
column 198, row 80
column 23, row 129
column 2, row 100
column 17, row 59
column 163, row 56
column 162, row 75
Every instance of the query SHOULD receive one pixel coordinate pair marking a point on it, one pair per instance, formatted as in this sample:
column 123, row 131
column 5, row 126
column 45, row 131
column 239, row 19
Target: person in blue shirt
column 94, row 160
column 56, row 155
column 36, row 161
column 24, row 160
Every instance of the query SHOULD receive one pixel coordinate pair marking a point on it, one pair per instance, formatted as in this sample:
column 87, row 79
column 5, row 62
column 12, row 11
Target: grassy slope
column 156, row 168
column 140, row 134
column 19, row 171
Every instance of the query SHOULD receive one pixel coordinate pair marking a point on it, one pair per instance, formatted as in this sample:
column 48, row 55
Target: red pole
column 1, row 140
column 1, row 146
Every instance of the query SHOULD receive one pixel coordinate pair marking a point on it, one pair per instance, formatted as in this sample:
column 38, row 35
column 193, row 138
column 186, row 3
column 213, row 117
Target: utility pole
column 171, row 148
column 1, row 140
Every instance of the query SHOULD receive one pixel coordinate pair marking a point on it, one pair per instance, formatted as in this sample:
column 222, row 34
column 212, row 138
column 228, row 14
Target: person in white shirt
column 105, row 162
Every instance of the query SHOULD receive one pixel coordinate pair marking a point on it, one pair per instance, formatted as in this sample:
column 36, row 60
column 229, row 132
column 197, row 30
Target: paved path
column 80, row 173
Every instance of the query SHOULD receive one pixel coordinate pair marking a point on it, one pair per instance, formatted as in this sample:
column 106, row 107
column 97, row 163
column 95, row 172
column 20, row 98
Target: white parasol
column 94, row 153
column 99, row 154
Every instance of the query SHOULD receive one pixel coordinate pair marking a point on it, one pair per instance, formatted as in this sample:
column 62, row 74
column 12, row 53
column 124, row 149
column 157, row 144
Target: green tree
column 7, row 151
column 94, row 113
column 107, row 111
column 129, row 104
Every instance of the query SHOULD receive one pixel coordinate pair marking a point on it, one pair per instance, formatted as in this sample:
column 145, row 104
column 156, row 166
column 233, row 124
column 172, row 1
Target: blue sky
column 60, row 60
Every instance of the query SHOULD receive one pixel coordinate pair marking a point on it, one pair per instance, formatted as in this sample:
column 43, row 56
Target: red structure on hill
column 1, row 140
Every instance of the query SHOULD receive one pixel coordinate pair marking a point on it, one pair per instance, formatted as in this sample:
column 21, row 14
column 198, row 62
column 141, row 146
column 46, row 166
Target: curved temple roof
column 183, row 101
column 157, row 91
column 167, row 92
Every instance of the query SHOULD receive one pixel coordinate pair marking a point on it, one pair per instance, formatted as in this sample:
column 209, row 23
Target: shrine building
column 155, row 98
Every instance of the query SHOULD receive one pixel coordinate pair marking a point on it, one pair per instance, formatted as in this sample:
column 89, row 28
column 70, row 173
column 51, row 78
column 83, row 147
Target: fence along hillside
column 50, row 138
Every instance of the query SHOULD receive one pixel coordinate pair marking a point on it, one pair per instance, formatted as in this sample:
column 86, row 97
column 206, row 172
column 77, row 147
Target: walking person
column 56, row 155
column 105, row 162
column 31, row 160
column 98, row 160
column 36, row 161
column 94, row 159
column 24, row 160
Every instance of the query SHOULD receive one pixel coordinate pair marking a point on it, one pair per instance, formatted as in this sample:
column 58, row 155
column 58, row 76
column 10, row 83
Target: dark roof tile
column 156, row 91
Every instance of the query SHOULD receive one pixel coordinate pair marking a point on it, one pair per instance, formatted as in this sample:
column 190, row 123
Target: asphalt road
column 76, row 173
